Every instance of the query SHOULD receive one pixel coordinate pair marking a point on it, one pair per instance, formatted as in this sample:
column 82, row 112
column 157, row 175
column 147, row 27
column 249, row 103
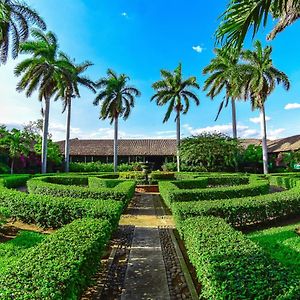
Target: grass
column 14, row 249
column 282, row 243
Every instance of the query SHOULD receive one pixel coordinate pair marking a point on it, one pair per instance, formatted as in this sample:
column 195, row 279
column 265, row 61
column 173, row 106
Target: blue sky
column 139, row 38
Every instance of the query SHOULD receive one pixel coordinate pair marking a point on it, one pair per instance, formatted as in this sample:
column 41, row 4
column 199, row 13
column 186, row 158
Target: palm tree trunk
column 12, row 166
column 45, row 135
column 178, row 139
column 116, row 145
column 264, row 139
column 67, row 141
column 234, row 127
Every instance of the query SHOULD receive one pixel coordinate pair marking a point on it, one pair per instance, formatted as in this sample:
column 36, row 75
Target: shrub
column 54, row 212
column 137, row 175
column 230, row 266
column 13, row 181
column 199, row 183
column 91, row 167
column 124, row 191
column 157, row 176
column 60, row 266
column 170, row 193
column 169, row 167
column 96, row 183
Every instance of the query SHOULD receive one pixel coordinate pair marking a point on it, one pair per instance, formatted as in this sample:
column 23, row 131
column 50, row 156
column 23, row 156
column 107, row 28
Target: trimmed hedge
column 55, row 212
column 243, row 211
column 14, row 181
column 157, row 175
column 230, row 266
column 199, row 183
column 170, row 193
column 60, row 267
column 96, row 183
column 122, row 192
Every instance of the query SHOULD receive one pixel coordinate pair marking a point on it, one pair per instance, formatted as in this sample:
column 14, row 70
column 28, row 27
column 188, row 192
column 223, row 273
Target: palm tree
column 244, row 15
column 42, row 71
column 260, row 79
column 15, row 21
column 68, row 89
column 175, row 91
column 117, row 100
column 223, row 70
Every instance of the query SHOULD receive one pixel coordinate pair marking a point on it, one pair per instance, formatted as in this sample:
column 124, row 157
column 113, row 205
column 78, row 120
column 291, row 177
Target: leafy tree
column 260, row 78
column 15, row 20
column 16, row 143
column 253, row 154
column 53, row 153
column 224, row 76
column 174, row 91
column 117, row 100
column 67, row 90
column 211, row 151
column 242, row 16
column 42, row 71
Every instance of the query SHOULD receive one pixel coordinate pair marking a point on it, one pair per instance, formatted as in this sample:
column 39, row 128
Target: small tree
column 16, row 143
column 213, row 151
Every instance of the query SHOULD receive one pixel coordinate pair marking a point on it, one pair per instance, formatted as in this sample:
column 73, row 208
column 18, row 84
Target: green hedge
column 230, row 266
column 60, row 267
column 243, row 211
column 170, row 193
column 199, row 183
column 95, row 183
column 14, row 181
column 157, row 176
column 122, row 192
column 54, row 212
column 136, row 175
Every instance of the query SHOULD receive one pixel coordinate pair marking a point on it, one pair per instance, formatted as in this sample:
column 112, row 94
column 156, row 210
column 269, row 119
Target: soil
column 11, row 229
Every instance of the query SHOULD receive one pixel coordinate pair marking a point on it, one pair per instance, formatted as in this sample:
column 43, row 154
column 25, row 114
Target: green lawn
column 12, row 250
column 282, row 243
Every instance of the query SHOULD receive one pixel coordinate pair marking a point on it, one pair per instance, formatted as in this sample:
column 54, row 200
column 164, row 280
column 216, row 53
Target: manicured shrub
column 91, row 167
column 230, row 266
column 55, row 212
column 14, row 181
column 60, row 267
column 157, row 176
column 137, row 175
column 199, row 183
column 95, row 182
column 122, row 192
column 170, row 193
column 243, row 211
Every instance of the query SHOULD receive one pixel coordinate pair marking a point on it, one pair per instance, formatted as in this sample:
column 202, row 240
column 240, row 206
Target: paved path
column 146, row 275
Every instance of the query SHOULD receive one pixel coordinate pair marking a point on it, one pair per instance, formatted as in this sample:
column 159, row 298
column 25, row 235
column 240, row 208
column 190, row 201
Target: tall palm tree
column 68, row 88
column 223, row 70
column 15, row 20
column 175, row 91
column 260, row 79
column 117, row 100
column 42, row 72
column 243, row 15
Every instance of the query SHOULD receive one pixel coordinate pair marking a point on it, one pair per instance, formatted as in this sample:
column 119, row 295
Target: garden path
column 145, row 261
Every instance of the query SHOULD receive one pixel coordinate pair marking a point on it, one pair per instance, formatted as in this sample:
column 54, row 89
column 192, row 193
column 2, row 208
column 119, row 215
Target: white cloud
column 290, row 106
column 124, row 14
column 275, row 134
column 256, row 120
column 198, row 49
column 243, row 130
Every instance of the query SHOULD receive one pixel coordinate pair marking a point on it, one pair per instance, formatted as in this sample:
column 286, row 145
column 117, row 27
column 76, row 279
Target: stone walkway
column 144, row 262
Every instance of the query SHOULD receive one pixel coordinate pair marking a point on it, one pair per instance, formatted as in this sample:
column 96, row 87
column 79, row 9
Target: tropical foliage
column 242, row 16
column 260, row 78
column 16, row 18
column 176, row 92
column 117, row 99
column 214, row 152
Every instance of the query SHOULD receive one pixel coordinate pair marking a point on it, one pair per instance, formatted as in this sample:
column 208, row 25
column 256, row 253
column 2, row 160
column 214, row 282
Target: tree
column 53, row 153
column 175, row 91
column 43, row 72
column 68, row 89
column 15, row 21
column 223, row 70
column 212, row 151
column 117, row 100
column 243, row 15
column 260, row 78
column 16, row 143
